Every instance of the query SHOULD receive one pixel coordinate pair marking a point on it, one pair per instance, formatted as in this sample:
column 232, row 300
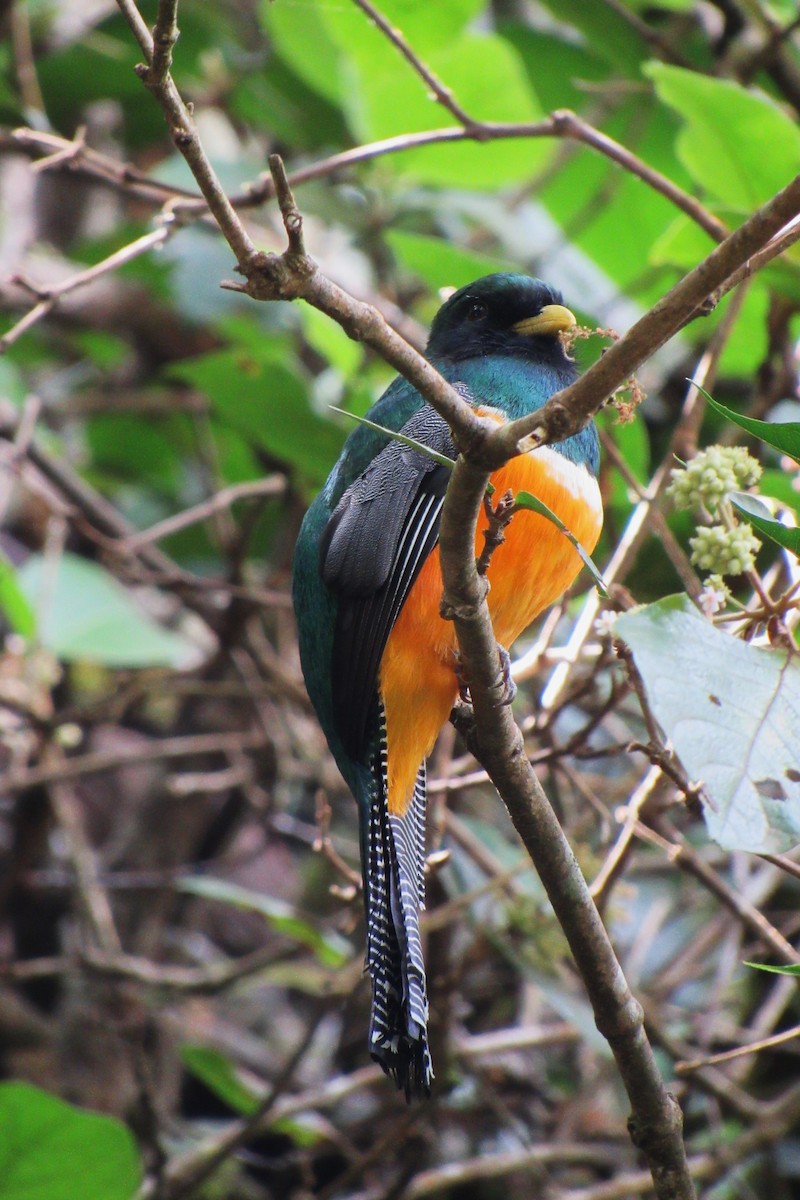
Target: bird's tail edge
column 394, row 879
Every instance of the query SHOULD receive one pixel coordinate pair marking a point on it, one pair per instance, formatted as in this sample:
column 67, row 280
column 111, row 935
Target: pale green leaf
column 86, row 615
column 732, row 712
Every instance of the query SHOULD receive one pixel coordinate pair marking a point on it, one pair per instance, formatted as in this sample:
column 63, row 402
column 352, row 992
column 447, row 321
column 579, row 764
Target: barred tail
column 395, row 893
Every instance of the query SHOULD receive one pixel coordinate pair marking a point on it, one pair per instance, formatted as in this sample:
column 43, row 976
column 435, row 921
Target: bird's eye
column 477, row 311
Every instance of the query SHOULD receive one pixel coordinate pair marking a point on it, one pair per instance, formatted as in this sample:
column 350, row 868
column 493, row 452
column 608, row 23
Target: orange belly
column 528, row 572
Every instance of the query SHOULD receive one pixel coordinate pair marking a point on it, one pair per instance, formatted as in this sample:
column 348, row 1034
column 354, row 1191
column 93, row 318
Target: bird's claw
column 509, row 687
column 463, row 682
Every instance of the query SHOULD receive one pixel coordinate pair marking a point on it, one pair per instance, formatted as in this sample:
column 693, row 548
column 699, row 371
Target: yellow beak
column 550, row 321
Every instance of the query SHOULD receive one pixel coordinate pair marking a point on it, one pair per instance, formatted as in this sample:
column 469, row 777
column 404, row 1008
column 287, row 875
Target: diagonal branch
column 569, row 410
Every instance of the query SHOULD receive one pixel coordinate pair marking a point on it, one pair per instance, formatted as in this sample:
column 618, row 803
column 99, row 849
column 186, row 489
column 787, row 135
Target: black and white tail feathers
column 394, row 879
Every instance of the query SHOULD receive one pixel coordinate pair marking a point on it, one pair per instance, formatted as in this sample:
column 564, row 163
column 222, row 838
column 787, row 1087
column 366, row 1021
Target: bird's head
column 502, row 314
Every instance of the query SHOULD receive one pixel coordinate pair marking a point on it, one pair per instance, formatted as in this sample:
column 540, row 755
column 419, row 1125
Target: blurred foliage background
column 179, row 922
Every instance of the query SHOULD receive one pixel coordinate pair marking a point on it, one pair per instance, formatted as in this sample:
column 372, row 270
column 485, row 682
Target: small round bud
column 69, row 735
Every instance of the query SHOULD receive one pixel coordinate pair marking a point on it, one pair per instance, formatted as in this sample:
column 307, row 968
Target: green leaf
column 257, row 392
column 682, row 244
column 793, row 969
column 607, row 32
column 331, row 341
column 13, row 603
column 441, row 263
column 85, row 615
column 487, row 78
column 555, row 66
column 355, row 65
column 330, row 949
column 748, row 345
column 738, row 144
column 345, row 36
column 732, row 712
column 528, row 500
column 593, row 199
column 288, row 27
column 50, row 1150
column 221, row 1077
column 760, row 517
column 781, row 435
column 779, row 485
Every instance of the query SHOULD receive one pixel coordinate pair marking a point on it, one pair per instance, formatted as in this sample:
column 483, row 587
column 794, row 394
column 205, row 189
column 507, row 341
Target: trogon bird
column 380, row 664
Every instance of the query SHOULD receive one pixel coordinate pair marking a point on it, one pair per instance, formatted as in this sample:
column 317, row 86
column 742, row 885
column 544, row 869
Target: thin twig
column 272, row 485
column 184, row 132
column 50, row 296
column 686, row 1066
column 756, row 923
column 97, row 761
column 93, row 900
column 441, row 92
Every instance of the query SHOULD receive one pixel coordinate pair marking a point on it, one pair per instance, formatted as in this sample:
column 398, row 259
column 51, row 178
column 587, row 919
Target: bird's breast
column 529, row 571
column 537, row 563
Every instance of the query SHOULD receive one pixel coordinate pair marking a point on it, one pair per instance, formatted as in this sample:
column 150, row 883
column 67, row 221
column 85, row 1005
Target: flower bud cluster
column 725, row 551
column 707, row 479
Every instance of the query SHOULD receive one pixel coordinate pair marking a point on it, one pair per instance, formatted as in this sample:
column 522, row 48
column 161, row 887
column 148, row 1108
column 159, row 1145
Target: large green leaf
column 256, row 391
column 85, row 615
column 346, row 43
column 50, row 1150
column 488, row 80
column 341, row 32
column 592, row 199
column 607, row 32
column 355, row 65
column 737, row 144
column 425, row 26
column 732, row 712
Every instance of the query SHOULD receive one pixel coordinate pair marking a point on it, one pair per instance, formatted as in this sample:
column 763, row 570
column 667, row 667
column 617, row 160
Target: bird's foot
column 509, row 687
column 461, row 679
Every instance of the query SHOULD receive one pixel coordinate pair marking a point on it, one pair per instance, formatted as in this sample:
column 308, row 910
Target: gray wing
column 373, row 548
